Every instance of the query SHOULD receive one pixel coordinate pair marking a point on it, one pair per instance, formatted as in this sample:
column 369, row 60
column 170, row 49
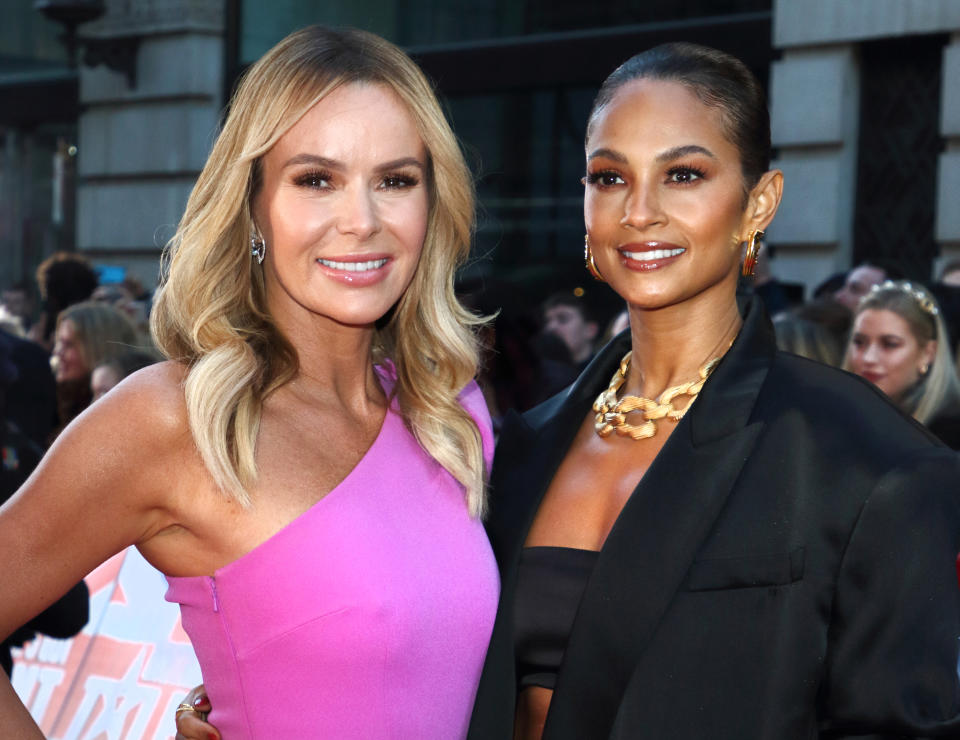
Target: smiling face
column 664, row 205
column 885, row 351
column 68, row 359
column 342, row 207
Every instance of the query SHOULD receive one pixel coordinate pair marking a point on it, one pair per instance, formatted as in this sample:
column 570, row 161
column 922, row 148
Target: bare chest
column 301, row 459
column 592, row 485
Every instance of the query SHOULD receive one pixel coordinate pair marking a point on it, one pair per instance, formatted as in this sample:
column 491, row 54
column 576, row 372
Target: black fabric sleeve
column 895, row 629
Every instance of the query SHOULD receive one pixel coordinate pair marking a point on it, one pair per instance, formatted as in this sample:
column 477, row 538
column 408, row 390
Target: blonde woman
column 87, row 334
column 899, row 343
column 308, row 468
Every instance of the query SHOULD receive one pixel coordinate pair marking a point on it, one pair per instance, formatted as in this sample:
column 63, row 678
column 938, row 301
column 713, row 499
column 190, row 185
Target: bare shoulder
column 146, row 408
column 136, row 429
column 154, row 393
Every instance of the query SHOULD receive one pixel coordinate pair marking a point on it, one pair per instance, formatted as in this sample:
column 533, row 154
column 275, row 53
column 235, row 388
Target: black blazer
column 785, row 569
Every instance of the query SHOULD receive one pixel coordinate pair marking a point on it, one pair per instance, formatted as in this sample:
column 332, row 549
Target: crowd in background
column 56, row 358
column 70, row 337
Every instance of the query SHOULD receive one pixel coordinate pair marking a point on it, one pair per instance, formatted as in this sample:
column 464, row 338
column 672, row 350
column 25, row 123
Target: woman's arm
column 893, row 642
column 100, row 488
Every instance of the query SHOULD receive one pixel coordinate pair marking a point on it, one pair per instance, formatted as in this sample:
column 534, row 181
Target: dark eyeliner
column 308, row 179
column 403, row 180
column 686, row 170
column 595, row 178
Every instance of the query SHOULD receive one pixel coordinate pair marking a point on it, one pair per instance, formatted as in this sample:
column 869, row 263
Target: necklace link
column 612, row 412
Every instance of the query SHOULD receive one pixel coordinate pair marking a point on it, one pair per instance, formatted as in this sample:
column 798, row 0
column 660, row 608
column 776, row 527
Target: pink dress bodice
column 366, row 617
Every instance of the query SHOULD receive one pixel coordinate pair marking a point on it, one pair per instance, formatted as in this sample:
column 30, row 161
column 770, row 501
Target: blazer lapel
column 656, row 538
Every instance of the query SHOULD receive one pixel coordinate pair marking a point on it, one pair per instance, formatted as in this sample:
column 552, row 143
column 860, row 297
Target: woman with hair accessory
column 308, row 468
column 898, row 343
column 704, row 537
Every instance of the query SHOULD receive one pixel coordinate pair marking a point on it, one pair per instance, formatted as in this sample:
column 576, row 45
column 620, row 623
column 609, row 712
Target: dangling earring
column 753, row 253
column 588, row 260
column 258, row 248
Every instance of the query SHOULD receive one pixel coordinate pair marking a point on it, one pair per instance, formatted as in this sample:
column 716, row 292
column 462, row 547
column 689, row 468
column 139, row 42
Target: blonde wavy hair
column 940, row 386
column 210, row 311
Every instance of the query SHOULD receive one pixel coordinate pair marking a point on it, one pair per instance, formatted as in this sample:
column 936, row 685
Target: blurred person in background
column 777, row 295
column 109, row 372
column 950, row 274
column 32, row 396
column 16, row 302
column 860, row 279
column 567, row 315
column 806, row 338
column 87, row 334
column 828, row 287
column 63, row 279
column 20, row 455
column 130, row 297
column 897, row 343
column 817, row 330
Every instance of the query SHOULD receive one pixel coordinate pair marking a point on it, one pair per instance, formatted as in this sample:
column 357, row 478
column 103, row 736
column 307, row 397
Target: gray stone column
column 948, row 175
column 814, row 110
column 814, row 113
column 141, row 146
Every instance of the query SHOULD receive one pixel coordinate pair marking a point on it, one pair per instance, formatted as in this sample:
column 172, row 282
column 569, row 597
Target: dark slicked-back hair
column 719, row 80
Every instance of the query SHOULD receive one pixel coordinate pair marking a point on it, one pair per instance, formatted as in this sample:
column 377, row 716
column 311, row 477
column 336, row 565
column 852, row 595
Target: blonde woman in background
column 308, row 467
column 805, row 338
column 87, row 334
column 899, row 343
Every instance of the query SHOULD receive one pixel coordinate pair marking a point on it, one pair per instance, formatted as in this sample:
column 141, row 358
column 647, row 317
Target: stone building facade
column 840, row 78
column 145, row 131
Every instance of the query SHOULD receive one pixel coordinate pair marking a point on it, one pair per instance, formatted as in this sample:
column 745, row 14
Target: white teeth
column 354, row 266
column 653, row 254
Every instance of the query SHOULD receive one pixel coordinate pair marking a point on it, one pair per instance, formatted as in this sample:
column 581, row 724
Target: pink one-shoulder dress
column 366, row 617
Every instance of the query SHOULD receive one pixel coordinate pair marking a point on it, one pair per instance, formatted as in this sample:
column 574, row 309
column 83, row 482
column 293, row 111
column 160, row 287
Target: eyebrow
column 682, row 151
column 608, row 153
column 333, row 164
column 668, row 156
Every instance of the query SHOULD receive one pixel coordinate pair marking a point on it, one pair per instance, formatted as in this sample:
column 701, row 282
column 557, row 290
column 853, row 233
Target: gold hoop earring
column 753, row 253
column 589, row 261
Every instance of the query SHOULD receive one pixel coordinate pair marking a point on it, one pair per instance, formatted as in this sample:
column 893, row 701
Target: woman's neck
column 335, row 366
column 671, row 344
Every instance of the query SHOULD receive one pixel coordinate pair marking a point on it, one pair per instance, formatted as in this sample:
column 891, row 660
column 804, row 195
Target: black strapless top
column 550, row 582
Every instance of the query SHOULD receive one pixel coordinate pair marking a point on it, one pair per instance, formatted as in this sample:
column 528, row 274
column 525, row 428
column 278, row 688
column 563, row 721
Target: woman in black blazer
column 779, row 562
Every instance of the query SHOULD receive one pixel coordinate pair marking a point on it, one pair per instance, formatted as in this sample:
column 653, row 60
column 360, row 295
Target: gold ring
column 184, row 707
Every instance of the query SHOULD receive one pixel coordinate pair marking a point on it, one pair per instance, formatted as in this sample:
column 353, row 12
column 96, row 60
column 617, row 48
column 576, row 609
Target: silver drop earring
column 258, row 247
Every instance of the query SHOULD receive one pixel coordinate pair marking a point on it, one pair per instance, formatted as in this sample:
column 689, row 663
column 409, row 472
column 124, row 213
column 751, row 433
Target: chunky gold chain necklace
column 612, row 413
